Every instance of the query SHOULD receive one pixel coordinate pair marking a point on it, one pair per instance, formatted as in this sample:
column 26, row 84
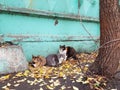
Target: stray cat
column 55, row 59
column 70, row 51
column 38, row 61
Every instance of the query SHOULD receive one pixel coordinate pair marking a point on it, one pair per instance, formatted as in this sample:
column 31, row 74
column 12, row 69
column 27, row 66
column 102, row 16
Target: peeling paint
column 47, row 38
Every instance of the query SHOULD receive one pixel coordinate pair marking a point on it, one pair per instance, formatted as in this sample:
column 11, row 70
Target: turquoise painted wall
column 31, row 23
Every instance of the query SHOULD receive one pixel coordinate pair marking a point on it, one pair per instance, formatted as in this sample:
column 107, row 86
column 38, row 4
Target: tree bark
column 108, row 58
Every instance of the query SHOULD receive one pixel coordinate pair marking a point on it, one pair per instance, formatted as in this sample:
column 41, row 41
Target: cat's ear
column 64, row 46
column 33, row 56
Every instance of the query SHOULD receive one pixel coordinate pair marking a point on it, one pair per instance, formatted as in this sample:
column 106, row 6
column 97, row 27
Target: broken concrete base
column 12, row 59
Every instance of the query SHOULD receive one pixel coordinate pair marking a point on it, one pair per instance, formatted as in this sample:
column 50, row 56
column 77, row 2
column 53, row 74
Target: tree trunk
column 108, row 58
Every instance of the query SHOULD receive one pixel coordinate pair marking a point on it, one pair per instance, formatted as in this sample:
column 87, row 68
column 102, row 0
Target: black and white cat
column 55, row 59
column 70, row 51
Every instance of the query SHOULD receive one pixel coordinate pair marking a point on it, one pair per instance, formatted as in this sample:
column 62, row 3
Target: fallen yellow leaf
column 61, row 74
column 75, row 88
column 50, row 87
column 19, row 74
column 26, row 73
column 16, row 85
column 41, row 89
column 63, row 87
column 8, row 84
column 5, row 88
column 4, row 77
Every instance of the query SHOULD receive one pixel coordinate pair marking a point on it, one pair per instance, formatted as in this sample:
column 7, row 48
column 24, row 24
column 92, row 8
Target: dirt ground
column 65, row 84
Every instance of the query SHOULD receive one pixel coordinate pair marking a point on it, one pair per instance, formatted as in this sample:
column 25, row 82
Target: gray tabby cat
column 55, row 59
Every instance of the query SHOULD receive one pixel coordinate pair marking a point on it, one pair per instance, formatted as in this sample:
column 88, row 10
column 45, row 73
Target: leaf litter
column 72, row 68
